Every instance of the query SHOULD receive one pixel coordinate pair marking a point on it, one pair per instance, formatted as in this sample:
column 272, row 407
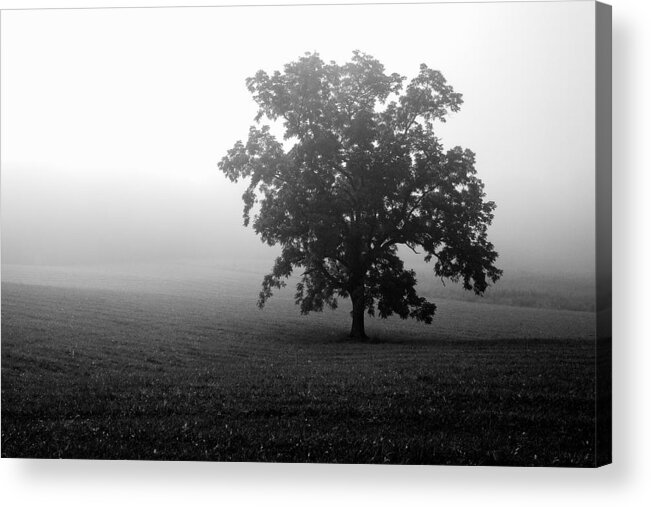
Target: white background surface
column 626, row 482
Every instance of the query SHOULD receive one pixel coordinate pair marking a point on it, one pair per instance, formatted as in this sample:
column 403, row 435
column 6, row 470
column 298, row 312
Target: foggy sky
column 113, row 121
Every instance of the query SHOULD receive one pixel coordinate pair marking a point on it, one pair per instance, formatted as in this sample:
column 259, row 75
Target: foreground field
column 183, row 366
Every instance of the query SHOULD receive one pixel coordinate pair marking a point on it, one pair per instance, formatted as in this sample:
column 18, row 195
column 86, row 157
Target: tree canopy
column 363, row 172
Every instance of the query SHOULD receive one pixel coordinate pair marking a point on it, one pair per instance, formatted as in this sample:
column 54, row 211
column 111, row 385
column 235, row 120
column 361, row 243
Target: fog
column 113, row 121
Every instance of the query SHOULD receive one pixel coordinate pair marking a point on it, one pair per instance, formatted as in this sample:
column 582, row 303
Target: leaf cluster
column 365, row 173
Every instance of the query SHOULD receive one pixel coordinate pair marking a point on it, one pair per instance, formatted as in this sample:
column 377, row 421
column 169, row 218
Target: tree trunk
column 357, row 330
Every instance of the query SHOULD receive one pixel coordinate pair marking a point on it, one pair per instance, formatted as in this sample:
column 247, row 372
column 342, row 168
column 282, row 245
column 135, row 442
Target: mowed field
column 175, row 361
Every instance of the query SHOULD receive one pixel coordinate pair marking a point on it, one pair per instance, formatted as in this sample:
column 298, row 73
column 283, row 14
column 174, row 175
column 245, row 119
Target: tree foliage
column 365, row 173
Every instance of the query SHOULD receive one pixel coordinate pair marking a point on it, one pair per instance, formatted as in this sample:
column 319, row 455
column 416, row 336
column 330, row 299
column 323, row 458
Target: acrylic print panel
column 334, row 234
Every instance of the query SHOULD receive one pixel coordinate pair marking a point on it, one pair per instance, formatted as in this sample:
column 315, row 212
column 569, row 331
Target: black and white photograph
column 342, row 234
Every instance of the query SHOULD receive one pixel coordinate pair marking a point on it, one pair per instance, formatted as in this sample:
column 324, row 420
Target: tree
column 365, row 173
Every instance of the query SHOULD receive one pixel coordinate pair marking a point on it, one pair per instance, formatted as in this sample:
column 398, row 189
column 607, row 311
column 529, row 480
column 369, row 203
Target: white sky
column 113, row 120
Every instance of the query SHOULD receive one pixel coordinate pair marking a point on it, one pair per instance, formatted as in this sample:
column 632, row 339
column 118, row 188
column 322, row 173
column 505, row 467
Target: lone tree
column 365, row 174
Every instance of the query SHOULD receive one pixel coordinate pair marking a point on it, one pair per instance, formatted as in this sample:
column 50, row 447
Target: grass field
column 176, row 362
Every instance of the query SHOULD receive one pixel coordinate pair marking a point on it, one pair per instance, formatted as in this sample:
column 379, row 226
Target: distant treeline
column 557, row 292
